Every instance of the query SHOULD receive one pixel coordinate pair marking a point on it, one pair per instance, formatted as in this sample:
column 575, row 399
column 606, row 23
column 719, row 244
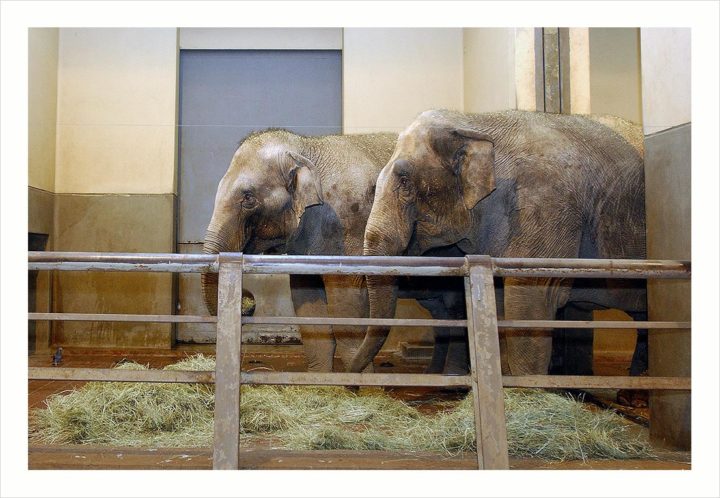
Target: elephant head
column 260, row 200
column 423, row 199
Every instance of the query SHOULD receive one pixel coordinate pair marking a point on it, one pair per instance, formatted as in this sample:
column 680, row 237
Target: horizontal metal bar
column 354, row 379
column 359, row 265
column 113, row 317
column 587, row 268
column 125, row 267
column 391, row 322
column 120, row 375
column 597, row 382
column 590, row 324
column 352, row 265
column 119, row 257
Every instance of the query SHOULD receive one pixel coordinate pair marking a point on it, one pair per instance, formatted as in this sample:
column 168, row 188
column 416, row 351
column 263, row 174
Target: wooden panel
column 597, row 382
column 119, row 375
column 488, row 397
column 227, row 367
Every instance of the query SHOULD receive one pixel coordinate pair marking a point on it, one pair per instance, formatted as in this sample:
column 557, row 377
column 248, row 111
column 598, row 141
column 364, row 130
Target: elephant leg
column 440, row 351
column 450, row 352
column 458, row 357
column 347, row 297
column 639, row 364
column 308, row 296
column 573, row 348
column 529, row 350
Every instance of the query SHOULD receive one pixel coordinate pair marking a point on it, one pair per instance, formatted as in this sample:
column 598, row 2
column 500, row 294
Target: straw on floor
column 540, row 423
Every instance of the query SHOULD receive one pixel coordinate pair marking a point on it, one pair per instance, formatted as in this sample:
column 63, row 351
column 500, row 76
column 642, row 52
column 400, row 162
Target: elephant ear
column 302, row 183
column 476, row 168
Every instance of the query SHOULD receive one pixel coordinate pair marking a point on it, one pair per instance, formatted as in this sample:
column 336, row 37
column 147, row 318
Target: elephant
column 513, row 184
column 287, row 193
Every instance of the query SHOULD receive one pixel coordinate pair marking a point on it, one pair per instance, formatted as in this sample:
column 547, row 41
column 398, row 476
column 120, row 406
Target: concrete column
column 665, row 62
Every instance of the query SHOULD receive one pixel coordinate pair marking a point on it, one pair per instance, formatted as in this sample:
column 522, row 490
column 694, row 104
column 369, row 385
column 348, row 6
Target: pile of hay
column 540, row 424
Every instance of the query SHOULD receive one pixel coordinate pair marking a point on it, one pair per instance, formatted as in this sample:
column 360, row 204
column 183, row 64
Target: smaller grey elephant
column 292, row 194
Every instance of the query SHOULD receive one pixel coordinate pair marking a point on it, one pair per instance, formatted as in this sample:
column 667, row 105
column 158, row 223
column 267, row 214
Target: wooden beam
column 597, row 382
column 355, row 379
column 393, row 322
column 589, row 324
column 120, row 375
column 227, row 367
column 360, row 265
column 488, row 398
column 113, row 317
column 339, row 378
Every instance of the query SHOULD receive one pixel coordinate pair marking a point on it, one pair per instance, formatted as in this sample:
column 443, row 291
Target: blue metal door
column 224, row 96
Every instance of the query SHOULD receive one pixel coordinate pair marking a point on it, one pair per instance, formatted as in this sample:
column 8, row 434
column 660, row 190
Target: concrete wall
column 665, row 78
column 116, row 111
column 488, row 69
column 391, row 75
column 666, row 120
column 615, row 72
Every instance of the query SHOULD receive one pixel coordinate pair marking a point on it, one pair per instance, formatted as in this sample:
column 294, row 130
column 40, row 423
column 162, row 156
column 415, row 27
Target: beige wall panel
column 117, row 76
column 261, row 38
column 391, row 75
column 615, row 72
column 116, row 110
column 489, row 69
column 525, row 92
column 114, row 223
column 668, row 204
column 666, row 69
column 115, row 159
column 42, row 106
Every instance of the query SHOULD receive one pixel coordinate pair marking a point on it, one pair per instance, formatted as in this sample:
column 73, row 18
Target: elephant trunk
column 216, row 241
column 387, row 234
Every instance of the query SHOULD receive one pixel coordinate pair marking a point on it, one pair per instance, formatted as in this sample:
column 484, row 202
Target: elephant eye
column 404, row 181
column 248, row 200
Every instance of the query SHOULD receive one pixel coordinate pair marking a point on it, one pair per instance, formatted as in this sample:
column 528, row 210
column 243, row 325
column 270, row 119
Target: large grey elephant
column 513, row 184
column 312, row 195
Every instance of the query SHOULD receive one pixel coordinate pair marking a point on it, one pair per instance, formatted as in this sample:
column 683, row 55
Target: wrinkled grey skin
column 512, row 184
column 309, row 195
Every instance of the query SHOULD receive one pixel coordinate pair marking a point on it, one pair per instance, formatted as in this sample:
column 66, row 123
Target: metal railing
column 485, row 378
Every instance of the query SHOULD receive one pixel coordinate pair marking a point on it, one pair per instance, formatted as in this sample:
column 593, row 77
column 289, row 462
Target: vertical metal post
column 226, row 453
column 484, row 343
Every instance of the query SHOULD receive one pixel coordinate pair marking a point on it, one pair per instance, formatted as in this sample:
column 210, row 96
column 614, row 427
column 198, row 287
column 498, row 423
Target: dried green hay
column 540, row 424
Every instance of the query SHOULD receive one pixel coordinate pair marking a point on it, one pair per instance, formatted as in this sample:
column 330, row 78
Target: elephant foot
column 637, row 398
